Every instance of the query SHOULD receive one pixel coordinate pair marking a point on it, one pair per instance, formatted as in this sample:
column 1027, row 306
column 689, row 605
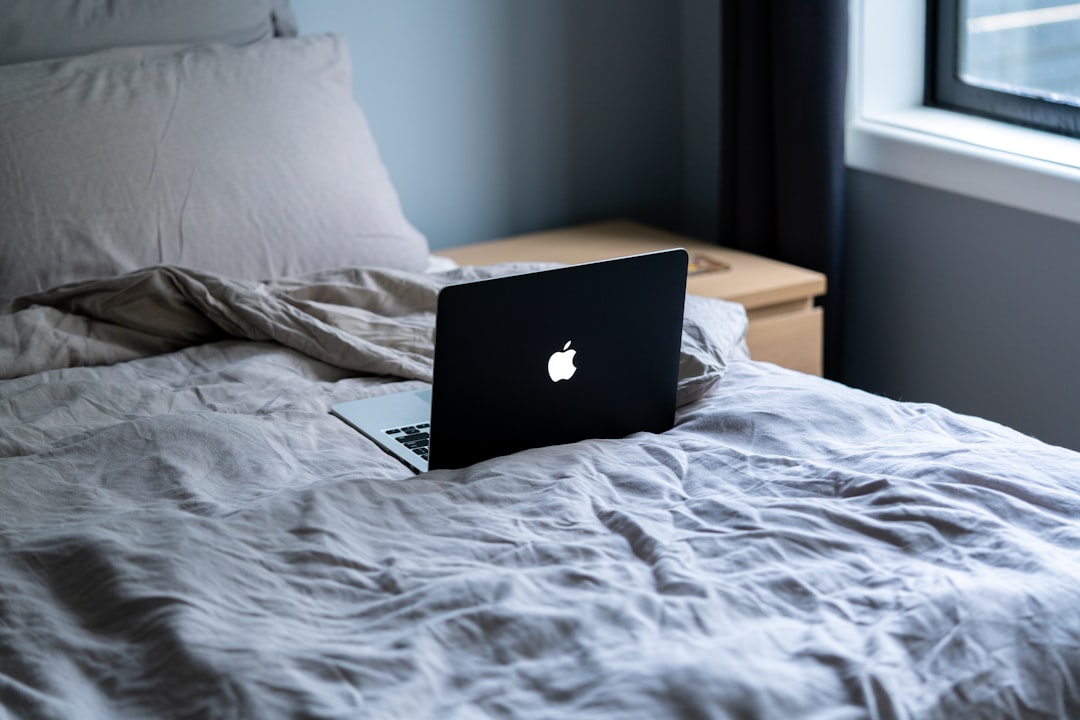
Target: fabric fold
column 373, row 321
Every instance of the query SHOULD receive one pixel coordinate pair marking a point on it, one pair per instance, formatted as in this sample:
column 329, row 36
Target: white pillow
column 254, row 162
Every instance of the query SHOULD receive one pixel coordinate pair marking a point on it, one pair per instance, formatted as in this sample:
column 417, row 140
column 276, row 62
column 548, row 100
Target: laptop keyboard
column 414, row 437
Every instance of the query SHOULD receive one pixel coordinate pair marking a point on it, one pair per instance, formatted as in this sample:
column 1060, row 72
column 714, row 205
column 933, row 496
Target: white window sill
column 891, row 133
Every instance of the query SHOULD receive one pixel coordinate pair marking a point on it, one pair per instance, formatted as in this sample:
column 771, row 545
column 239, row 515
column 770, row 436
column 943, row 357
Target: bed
column 201, row 252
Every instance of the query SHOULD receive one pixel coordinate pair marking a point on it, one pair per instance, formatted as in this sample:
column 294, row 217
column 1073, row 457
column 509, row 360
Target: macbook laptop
column 542, row 358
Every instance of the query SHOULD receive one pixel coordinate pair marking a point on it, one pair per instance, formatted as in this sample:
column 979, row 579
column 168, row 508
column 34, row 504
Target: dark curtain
column 784, row 67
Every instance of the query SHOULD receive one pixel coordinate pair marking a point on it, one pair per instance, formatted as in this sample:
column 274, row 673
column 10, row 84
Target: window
column 1013, row 60
column 892, row 132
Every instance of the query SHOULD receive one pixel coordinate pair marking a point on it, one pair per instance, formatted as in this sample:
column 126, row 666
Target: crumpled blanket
column 186, row 532
column 373, row 321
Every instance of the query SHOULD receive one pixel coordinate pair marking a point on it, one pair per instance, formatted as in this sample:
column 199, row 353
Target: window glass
column 1029, row 48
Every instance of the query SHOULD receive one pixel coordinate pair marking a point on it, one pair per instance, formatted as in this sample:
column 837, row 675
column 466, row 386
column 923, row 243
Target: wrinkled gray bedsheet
column 186, row 532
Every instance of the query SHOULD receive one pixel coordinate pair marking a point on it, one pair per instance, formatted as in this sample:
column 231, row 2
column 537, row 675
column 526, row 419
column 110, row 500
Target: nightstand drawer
column 793, row 340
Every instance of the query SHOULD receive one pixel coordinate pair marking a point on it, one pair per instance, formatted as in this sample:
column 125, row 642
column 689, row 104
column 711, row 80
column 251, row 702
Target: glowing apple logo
column 561, row 363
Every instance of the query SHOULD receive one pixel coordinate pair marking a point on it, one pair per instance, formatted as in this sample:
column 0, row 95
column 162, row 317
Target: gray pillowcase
column 253, row 162
column 43, row 29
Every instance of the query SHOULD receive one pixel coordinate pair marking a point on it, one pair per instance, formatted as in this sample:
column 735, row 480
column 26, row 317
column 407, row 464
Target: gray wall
column 497, row 117
column 964, row 303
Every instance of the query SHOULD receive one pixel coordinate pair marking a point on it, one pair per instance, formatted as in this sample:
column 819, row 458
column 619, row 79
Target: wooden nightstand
column 785, row 326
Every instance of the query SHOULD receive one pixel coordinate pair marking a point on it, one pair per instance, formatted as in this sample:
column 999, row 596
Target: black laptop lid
column 617, row 327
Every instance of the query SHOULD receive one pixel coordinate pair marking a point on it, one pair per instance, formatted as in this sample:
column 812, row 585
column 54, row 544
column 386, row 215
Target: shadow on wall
column 591, row 115
column 963, row 303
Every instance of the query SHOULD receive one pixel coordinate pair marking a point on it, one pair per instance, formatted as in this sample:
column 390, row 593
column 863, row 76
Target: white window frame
column 890, row 132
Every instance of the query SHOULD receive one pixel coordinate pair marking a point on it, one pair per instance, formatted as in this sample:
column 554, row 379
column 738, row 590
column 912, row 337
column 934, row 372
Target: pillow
column 253, row 162
column 41, row 29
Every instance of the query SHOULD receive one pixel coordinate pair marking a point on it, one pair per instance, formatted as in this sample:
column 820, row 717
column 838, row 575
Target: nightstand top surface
column 746, row 278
